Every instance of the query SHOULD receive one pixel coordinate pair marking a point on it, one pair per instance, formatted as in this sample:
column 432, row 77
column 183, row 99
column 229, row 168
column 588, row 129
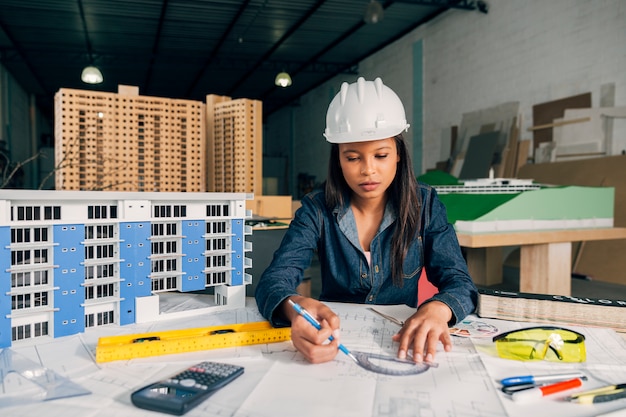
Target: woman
column 374, row 228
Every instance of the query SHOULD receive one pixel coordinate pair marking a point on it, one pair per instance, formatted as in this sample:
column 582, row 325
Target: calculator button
column 188, row 382
column 203, row 379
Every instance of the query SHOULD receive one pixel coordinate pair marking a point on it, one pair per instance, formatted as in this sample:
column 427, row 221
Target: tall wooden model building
column 126, row 142
column 234, row 145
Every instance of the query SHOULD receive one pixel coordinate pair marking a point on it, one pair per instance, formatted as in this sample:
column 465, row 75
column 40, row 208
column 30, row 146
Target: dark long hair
column 402, row 193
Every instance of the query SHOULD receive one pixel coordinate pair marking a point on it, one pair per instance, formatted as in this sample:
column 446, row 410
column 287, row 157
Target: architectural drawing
column 279, row 381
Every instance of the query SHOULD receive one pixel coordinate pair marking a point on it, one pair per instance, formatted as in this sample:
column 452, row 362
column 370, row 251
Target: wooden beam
column 484, row 240
column 559, row 123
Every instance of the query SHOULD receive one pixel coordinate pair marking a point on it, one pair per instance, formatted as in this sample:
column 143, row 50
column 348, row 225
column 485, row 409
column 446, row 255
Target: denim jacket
column 345, row 272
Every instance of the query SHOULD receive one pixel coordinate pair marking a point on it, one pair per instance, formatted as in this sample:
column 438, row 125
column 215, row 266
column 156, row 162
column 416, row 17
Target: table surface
column 278, row 381
column 482, row 240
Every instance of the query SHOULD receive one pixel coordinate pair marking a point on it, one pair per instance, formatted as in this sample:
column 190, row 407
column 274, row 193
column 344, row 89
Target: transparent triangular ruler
column 51, row 384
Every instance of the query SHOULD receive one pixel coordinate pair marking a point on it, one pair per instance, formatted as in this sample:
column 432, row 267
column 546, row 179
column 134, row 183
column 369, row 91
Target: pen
column 538, row 392
column 599, row 395
column 318, row 326
column 539, row 379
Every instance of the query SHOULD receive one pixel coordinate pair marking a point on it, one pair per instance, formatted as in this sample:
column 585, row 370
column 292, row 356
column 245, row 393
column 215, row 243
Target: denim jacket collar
column 347, row 224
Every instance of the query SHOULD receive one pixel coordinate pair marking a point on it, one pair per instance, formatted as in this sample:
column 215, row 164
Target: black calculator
column 185, row 390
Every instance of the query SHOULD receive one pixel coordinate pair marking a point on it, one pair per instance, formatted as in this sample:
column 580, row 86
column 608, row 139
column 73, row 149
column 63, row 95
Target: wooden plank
column 559, row 123
column 484, row 240
column 275, row 207
column 510, row 157
column 522, row 156
column 485, row 265
column 545, row 113
column 546, row 269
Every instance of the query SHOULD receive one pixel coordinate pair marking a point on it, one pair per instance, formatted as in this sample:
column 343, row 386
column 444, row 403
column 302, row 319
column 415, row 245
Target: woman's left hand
column 423, row 330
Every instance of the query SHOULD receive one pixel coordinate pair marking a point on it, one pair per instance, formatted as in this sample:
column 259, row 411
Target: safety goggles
column 541, row 343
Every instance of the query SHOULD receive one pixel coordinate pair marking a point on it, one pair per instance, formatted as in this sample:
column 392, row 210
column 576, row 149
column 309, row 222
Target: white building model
column 80, row 259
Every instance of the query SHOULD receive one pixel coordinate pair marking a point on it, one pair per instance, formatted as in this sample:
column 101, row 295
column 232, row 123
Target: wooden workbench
column 545, row 256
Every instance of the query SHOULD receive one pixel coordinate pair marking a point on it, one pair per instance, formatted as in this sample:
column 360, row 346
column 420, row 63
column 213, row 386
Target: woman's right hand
column 309, row 341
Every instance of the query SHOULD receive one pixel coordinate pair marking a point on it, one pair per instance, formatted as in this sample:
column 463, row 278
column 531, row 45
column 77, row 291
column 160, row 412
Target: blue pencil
column 318, row 326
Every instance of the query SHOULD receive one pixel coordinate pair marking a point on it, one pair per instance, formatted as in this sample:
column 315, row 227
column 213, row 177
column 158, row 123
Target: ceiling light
column 374, row 12
column 283, row 80
column 91, row 75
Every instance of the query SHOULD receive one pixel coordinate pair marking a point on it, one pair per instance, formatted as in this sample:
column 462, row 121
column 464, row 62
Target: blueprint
column 349, row 390
column 279, row 381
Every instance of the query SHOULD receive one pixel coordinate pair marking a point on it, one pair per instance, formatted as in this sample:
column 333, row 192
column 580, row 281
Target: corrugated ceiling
column 191, row 48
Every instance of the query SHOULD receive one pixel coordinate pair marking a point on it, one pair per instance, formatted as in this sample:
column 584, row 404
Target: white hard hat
column 362, row 111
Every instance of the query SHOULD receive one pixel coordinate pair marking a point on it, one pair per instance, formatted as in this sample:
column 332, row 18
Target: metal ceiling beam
column 144, row 63
column 451, row 4
column 352, row 68
column 81, row 11
column 278, row 43
column 155, row 46
column 328, row 47
column 320, row 53
column 20, row 52
column 289, row 66
column 218, row 46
